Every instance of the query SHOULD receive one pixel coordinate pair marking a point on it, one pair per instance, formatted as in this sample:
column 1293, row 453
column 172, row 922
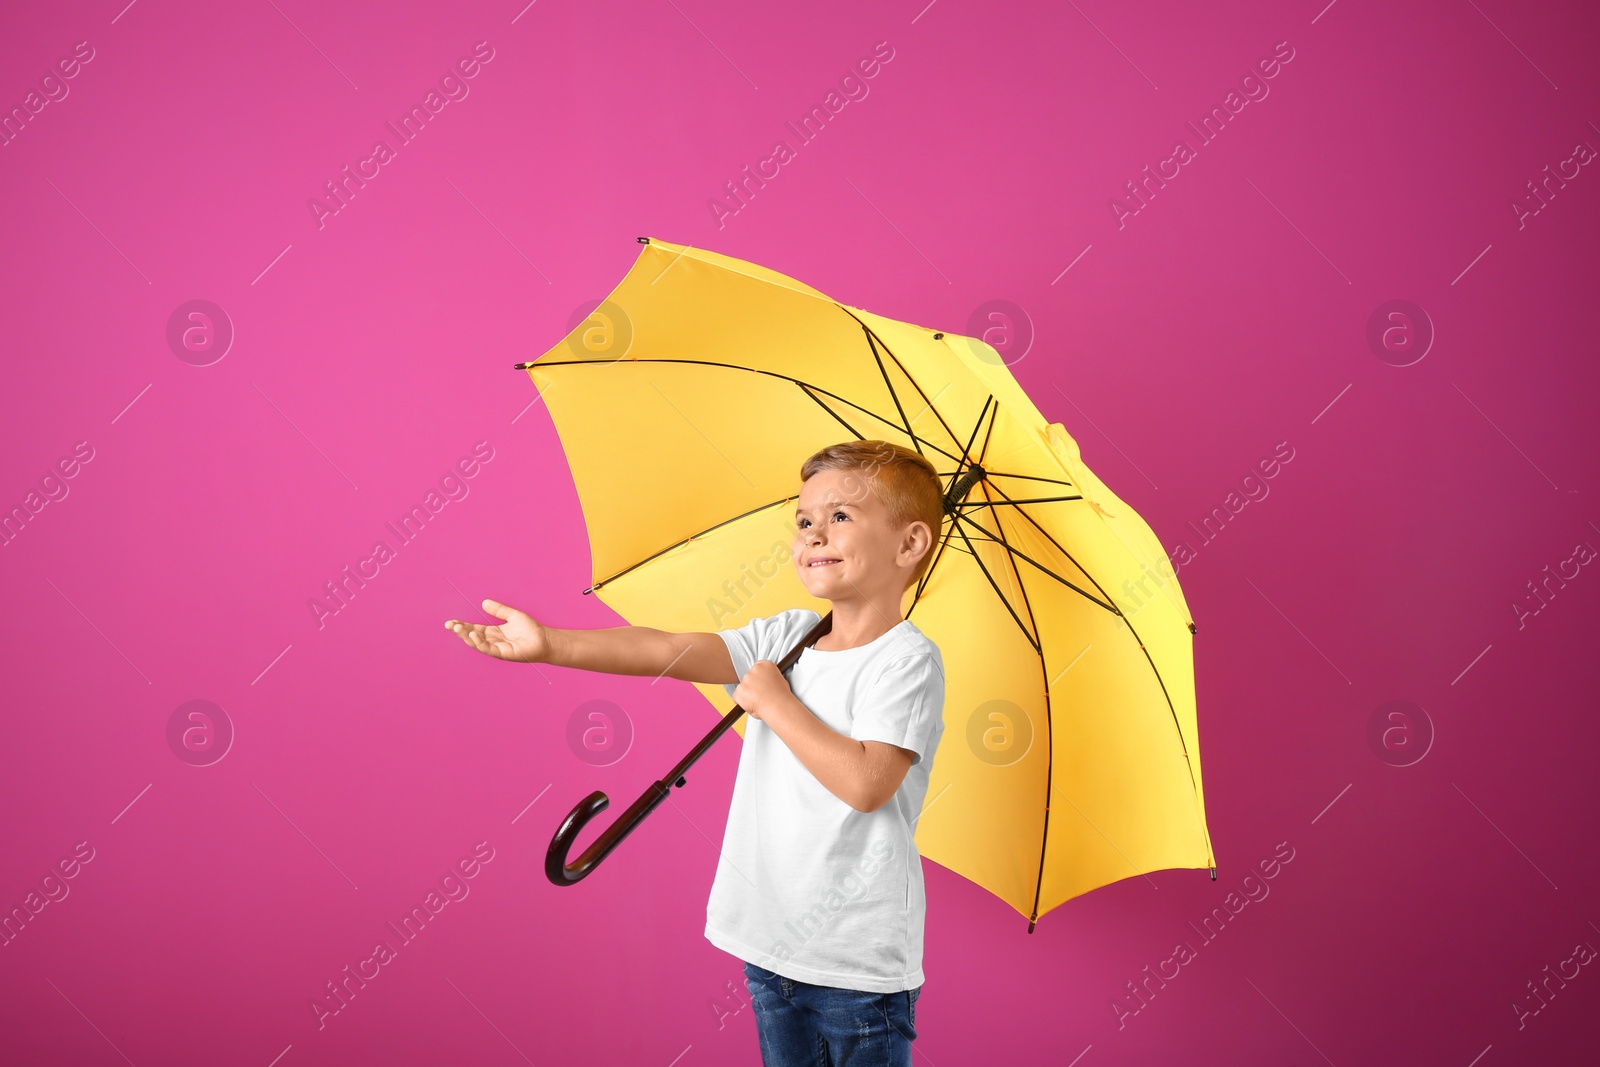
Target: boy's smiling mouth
column 821, row 562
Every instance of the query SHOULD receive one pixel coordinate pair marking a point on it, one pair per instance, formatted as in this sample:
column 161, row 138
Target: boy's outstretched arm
column 638, row 650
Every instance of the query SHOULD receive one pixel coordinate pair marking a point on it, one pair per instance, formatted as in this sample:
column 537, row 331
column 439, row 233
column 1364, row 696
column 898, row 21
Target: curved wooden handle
column 556, row 867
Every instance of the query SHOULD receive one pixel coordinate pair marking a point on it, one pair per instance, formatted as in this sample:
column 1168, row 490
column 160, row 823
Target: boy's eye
column 803, row 522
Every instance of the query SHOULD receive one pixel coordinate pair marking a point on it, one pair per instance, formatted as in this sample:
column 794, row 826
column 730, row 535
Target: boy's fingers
column 497, row 609
column 476, row 634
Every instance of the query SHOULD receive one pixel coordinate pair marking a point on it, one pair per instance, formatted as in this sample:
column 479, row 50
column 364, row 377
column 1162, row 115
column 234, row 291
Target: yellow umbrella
column 685, row 404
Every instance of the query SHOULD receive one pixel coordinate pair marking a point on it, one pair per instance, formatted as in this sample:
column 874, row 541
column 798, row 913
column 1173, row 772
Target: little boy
column 819, row 887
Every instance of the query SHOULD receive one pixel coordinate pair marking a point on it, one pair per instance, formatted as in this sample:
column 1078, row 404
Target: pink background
column 374, row 751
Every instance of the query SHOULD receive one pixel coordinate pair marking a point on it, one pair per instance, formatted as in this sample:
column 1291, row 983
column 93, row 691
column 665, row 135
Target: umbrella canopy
column 685, row 405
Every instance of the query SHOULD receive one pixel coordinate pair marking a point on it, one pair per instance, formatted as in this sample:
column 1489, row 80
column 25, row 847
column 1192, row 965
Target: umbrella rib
column 1044, row 837
column 1049, row 720
column 956, row 514
column 886, row 383
column 1030, row 477
column 1029, row 500
column 984, row 451
column 976, row 426
column 1075, row 588
column 1062, row 550
column 1165, row 695
column 966, row 451
column 808, row 388
column 684, row 541
column 953, row 509
column 986, row 503
column 873, row 340
column 1104, row 603
column 838, row 417
column 956, row 505
column 928, row 574
column 985, row 570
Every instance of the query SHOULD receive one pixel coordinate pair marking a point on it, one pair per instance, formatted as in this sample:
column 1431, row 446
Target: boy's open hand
column 519, row 638
column 761, row 691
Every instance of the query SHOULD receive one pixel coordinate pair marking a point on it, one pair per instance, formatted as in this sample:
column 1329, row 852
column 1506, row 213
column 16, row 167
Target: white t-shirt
column 807, row 886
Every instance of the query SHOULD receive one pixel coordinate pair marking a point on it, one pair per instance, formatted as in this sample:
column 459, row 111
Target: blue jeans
column 805, row 1025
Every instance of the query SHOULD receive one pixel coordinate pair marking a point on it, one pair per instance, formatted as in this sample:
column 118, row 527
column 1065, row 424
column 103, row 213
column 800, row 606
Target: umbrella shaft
column 958, row 492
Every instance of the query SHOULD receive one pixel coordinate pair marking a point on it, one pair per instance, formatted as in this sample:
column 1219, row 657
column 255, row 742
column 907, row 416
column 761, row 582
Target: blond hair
column 904, row 480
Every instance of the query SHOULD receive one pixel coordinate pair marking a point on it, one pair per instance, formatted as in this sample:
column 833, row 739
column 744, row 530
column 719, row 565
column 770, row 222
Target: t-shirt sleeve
column 768, row 638
column 904, row 706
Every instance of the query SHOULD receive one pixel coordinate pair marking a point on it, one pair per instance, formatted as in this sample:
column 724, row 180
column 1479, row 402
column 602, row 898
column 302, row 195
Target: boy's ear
column 912, row 533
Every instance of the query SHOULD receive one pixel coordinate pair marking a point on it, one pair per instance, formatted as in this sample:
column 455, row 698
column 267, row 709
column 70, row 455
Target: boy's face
column 839, row 517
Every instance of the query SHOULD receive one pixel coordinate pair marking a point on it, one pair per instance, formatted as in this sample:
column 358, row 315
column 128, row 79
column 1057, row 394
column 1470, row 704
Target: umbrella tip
column 521, row 366
column 643, row 240
column 938, row 337
column 1213, row 874
column 1193, row 628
